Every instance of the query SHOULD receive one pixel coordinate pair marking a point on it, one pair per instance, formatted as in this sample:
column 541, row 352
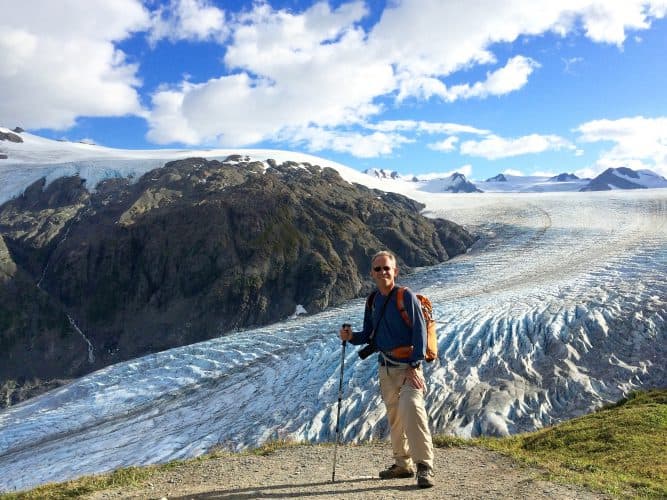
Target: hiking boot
column 425, row 476
column 396, row 472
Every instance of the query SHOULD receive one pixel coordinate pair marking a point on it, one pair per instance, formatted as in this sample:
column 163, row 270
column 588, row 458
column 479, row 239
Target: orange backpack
column 427, row 311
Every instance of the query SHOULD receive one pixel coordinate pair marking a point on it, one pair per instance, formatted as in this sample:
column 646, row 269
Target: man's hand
column 415, row 377
column 346, row 332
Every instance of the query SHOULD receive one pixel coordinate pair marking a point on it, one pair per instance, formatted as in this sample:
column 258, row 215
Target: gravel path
column 305, row 471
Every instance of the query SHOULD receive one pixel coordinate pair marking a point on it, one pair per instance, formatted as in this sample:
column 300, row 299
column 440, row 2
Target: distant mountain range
column 610, row 179
column 381, row 173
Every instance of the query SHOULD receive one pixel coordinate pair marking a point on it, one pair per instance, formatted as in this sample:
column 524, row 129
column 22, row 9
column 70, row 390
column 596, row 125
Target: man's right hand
column 345, row 332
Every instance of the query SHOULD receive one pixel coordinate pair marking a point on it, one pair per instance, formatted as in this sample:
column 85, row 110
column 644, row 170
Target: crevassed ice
column 560, row 307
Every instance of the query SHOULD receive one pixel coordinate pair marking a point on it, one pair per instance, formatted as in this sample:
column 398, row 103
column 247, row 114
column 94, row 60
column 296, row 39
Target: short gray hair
column 384, row 253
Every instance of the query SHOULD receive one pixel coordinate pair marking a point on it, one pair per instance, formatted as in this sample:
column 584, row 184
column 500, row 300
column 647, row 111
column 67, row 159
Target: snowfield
column 559, row 307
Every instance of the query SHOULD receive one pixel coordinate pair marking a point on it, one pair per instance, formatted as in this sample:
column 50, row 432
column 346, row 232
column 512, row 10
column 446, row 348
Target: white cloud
column 447, row 145
column 513, row 76
column 463, row 169
column 432, row 38
column 512, row 171
column 638, row 142
column 285, row 71
column 295, row 72
column 292, row 71
column 587, row 173
column 166, row 119
column 544, row 173
column 59, row 61
column 494, row 147
column 355, row 143
column 570, row 62
column 187, row 20
column 426, row 127
column 609, row 21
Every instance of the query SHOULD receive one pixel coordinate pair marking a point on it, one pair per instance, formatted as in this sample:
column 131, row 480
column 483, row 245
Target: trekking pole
column 340, row 397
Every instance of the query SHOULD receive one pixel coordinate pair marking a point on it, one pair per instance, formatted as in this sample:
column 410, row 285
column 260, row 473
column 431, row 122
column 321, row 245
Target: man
column 402, row 385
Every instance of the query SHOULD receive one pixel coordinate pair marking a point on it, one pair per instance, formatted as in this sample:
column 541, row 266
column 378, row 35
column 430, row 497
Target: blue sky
column 419, row 86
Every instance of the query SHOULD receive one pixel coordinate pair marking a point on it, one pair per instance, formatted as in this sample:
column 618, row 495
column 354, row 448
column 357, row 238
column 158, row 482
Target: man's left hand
column 415, row 377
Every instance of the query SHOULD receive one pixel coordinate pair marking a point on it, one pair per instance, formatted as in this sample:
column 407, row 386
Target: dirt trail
column 305, row 472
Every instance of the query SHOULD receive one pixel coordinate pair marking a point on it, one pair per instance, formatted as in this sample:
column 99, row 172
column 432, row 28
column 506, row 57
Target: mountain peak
column 381, row 173
column 564, row 177
column 457, row 183
column 625, row 178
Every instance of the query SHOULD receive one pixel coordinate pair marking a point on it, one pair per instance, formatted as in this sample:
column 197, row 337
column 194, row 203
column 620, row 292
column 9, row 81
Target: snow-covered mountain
column 381, row 173
column 35, row 157
column 560, row 307
column 612, row 178
column 506, row 183
column 454, row 183
column 625, row 178
column 564, row 177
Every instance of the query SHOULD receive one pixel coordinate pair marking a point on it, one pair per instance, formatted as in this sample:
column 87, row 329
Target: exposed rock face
column 9, row 136
column 497, row 178
column 564, row 177
column 192, row 250
column 381, row 173
column 457, row 183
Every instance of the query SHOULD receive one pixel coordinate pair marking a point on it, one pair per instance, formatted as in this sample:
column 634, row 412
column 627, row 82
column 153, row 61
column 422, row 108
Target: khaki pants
column 410, row 436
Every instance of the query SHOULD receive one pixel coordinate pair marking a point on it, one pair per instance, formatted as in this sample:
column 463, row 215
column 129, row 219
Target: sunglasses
column 377, row 269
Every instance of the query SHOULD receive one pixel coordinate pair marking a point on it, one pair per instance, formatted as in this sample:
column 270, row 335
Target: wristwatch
column 415, row 364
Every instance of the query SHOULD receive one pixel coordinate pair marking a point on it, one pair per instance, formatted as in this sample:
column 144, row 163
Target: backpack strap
column 371, row 300
column 400, row 303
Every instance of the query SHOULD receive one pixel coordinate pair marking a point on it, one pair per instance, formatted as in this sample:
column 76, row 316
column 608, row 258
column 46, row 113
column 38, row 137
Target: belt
column 385, row 361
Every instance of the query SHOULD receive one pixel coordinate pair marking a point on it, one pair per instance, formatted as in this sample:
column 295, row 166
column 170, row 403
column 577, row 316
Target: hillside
column 617, row 450
column 188, row 252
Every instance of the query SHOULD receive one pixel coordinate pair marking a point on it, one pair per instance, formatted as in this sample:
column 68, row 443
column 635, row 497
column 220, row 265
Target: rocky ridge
column 190, row 251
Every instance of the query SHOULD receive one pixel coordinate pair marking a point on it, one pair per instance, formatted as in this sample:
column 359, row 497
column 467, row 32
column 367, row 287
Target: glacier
column 560, row 307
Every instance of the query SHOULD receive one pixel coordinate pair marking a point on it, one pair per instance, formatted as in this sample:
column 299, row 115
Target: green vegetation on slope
column 85, row 485
column 620, row 449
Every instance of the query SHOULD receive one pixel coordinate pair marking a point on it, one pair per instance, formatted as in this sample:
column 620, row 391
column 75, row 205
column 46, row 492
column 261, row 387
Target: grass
column 620, row 449
column 130, row 476
column 85, row 485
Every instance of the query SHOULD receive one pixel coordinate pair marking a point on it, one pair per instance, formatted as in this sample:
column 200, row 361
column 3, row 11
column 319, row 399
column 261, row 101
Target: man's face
column 384, row 272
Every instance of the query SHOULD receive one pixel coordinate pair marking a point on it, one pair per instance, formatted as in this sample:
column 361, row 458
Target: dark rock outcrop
column 497, row 178
column 190, row 251
column 381, row 173
column 457, row 183
column 10, row 136
column 564, row 177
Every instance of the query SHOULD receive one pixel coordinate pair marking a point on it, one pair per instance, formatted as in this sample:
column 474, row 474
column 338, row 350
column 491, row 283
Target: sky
column 423, row 87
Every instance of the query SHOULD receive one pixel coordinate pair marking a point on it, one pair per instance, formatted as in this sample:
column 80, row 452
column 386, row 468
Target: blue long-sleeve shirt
column 392, row 331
